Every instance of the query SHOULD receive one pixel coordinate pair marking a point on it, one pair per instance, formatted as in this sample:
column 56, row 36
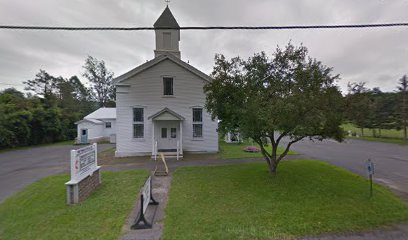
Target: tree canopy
column 101, row 80
column 269, row 98
column 48, row 116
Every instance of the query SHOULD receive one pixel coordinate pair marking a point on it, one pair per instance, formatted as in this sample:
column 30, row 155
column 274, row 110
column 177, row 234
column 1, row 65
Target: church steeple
column 167, row 41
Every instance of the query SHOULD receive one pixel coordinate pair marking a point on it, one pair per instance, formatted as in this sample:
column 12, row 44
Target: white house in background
column 160, row 104
column 97, row 126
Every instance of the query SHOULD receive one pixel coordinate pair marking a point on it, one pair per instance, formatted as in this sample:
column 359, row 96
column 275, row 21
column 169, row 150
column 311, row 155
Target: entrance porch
column 167, row 134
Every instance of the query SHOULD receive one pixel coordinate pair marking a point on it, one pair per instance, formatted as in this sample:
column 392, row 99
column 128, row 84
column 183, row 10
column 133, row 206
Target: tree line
column 377, row 110
column 49, row 108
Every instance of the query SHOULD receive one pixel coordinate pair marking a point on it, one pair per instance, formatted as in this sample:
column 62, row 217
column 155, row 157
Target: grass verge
column 235, row 150
column 40, row 210
column 244, row 202
column 387, row 135
column 227, row 151
column 383, row 140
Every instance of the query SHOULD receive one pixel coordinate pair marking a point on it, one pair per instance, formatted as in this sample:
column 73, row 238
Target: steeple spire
column 167, row 41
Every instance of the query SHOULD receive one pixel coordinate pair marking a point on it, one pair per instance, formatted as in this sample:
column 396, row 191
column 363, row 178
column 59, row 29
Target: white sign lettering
column 83, row 162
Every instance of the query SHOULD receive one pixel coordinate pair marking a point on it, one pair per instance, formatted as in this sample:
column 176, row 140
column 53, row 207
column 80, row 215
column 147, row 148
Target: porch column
column 181, row 137
column 153, row 143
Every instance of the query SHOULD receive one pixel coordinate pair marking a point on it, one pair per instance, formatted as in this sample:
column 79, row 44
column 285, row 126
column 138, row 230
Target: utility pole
column 403, row 88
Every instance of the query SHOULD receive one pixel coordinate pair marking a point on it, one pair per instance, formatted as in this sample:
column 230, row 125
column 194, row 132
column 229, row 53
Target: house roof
column 102, row 113
column 166, row 19
column 165, row 111
column 157, row 60
column 94, row 121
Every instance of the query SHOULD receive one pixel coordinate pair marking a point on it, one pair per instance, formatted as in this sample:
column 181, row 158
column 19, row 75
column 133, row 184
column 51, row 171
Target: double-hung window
column 108, row 125
column 138, row 122
column 168, row 86
column 197, row 122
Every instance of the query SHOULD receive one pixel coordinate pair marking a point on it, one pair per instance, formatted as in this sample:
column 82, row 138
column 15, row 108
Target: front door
column 84, row 136
column 168, row 135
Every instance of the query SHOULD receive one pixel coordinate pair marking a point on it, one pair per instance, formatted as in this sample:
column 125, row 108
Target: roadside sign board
column 370, row 167
column 370, row 171
column 83, row 162
column 146, row 199
column 146, row 194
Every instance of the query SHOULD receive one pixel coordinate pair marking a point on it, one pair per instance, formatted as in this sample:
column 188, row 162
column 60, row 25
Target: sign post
column 85, row 175
column 146, row 199
column 370, row 171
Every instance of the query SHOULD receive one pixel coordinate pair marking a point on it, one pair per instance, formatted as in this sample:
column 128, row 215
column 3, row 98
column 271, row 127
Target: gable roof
column 94, row 121
column 166, row 110
column 166, row 19
column 157, row 60
column 102, row 113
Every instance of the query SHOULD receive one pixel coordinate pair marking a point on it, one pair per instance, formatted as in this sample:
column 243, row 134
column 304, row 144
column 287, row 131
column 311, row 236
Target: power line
column 288, row 27
column 11, row 84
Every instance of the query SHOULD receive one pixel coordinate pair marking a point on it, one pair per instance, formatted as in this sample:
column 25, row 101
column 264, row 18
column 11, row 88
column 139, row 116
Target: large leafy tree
column 43, row 85
column 359, row 105
column 287, row 95
column 101, row 80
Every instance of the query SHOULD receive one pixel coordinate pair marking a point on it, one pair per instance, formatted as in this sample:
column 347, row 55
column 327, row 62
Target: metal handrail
column 155, row 150
column 178, row 149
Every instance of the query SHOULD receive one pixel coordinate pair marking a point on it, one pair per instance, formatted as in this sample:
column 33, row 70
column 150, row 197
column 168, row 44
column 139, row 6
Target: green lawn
column 387, row 135
column 235, row 150
column 40, row 211
column 384, row 140
column 244, row 202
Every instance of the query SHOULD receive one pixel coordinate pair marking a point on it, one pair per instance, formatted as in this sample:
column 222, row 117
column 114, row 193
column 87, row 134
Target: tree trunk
column 272, row 168
column 362, row 132
column 379, row 132
column 274, row 161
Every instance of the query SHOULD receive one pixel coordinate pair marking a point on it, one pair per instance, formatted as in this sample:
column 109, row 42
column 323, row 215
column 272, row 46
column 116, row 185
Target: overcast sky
column 376, row 56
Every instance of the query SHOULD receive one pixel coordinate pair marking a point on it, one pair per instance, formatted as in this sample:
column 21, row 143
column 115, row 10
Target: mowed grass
column 244, row 202
column 236, row 150
column 387, row 135
column 383, row 140
column 40, row 210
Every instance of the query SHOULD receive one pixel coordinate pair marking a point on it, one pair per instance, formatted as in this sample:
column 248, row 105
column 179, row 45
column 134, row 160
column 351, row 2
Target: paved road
column 391, row 160
column 19, row 168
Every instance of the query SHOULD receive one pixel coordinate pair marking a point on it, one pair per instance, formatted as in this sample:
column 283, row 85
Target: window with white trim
column 108, row 125
column 168, row 86
column 164, row 132
column 197, row 122
column 173, row 132
column 138, row 122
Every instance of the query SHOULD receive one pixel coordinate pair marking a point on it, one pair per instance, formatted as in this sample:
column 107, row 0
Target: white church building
column 160, row 104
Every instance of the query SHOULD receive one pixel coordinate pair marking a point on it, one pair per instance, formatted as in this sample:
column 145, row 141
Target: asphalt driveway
column 18, row 168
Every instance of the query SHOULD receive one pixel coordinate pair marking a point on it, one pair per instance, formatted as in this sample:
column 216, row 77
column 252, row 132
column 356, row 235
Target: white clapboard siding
column 146, row 90
column 94, row 130
column 97, row 131
column 107, row 132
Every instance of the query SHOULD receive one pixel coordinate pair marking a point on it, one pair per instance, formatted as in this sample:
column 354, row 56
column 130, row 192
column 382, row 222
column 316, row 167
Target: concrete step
column 169, row 155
